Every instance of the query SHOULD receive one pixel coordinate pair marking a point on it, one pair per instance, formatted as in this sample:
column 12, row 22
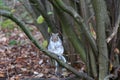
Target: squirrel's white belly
column 56, row 48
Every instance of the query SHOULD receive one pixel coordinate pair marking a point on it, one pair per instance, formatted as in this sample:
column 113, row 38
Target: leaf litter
column 20, row 59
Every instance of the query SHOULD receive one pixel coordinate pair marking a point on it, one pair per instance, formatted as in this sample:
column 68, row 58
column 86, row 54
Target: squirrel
column 55, row 46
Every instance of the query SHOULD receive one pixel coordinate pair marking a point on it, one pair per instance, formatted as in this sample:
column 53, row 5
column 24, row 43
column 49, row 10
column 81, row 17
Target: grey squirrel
column 55, row 46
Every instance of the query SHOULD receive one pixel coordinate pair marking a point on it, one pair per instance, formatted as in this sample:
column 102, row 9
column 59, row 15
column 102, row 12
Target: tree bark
column 80, row 21
column 101, row 13
column 35, row 14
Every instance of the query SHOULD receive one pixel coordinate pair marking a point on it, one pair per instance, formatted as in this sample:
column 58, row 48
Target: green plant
column 7, row 24
column 12, row 42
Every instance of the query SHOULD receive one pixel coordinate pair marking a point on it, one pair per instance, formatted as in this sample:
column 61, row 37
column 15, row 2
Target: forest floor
column 20, row 59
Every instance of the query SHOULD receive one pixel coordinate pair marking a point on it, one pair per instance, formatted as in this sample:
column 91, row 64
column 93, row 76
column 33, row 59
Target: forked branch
column 35, row 42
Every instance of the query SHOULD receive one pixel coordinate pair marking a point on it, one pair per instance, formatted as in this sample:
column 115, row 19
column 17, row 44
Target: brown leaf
column 2, row 74
column 17, row 78
column 116, row 50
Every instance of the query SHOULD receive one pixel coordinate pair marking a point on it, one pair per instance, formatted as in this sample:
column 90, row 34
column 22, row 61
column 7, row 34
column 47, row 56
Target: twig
column 14, row 1
column 115, row 75
column 115, row 30
column 7, row 72
column 108, row 77
column 91, row 17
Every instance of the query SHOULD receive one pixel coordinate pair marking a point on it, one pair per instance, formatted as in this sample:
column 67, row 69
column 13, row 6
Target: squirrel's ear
column 52, row 33
column 57, row 34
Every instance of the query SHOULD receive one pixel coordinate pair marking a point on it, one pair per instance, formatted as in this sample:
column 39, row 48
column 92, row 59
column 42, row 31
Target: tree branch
column 80, row 21
column 68, row 30
column 34, row 14
column 115, row 30
column 114, row 76
column 101, row 15
column 28, row 33
column 39, row 6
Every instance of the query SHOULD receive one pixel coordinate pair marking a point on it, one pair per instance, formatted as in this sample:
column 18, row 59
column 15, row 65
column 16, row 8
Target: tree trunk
column 101, row 13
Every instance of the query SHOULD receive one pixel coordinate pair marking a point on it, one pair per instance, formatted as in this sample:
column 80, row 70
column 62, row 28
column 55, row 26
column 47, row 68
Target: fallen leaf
column 35, row 72
column 65, row 74
column 40, row 75
column 46, row 71
column 2, row 74
column 3, row 39
column 23, row 69
column 17, row 78
column 41, row 61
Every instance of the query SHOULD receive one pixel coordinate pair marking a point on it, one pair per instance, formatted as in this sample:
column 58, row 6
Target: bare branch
column 52, row 55
column 115, row 75
column 108, row 77
column 101, row 15
column 115, row 30
column 79, row 20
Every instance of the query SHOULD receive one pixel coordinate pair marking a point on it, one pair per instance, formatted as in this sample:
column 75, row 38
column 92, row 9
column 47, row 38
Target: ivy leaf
column 13, row 10
column 45, row 43
column 12, row 42
column 49, row 30
column 49, row 13
column 40, row 19
column 7, row 24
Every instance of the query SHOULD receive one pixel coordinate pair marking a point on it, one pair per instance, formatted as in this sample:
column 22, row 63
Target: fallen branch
column 28, row 33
